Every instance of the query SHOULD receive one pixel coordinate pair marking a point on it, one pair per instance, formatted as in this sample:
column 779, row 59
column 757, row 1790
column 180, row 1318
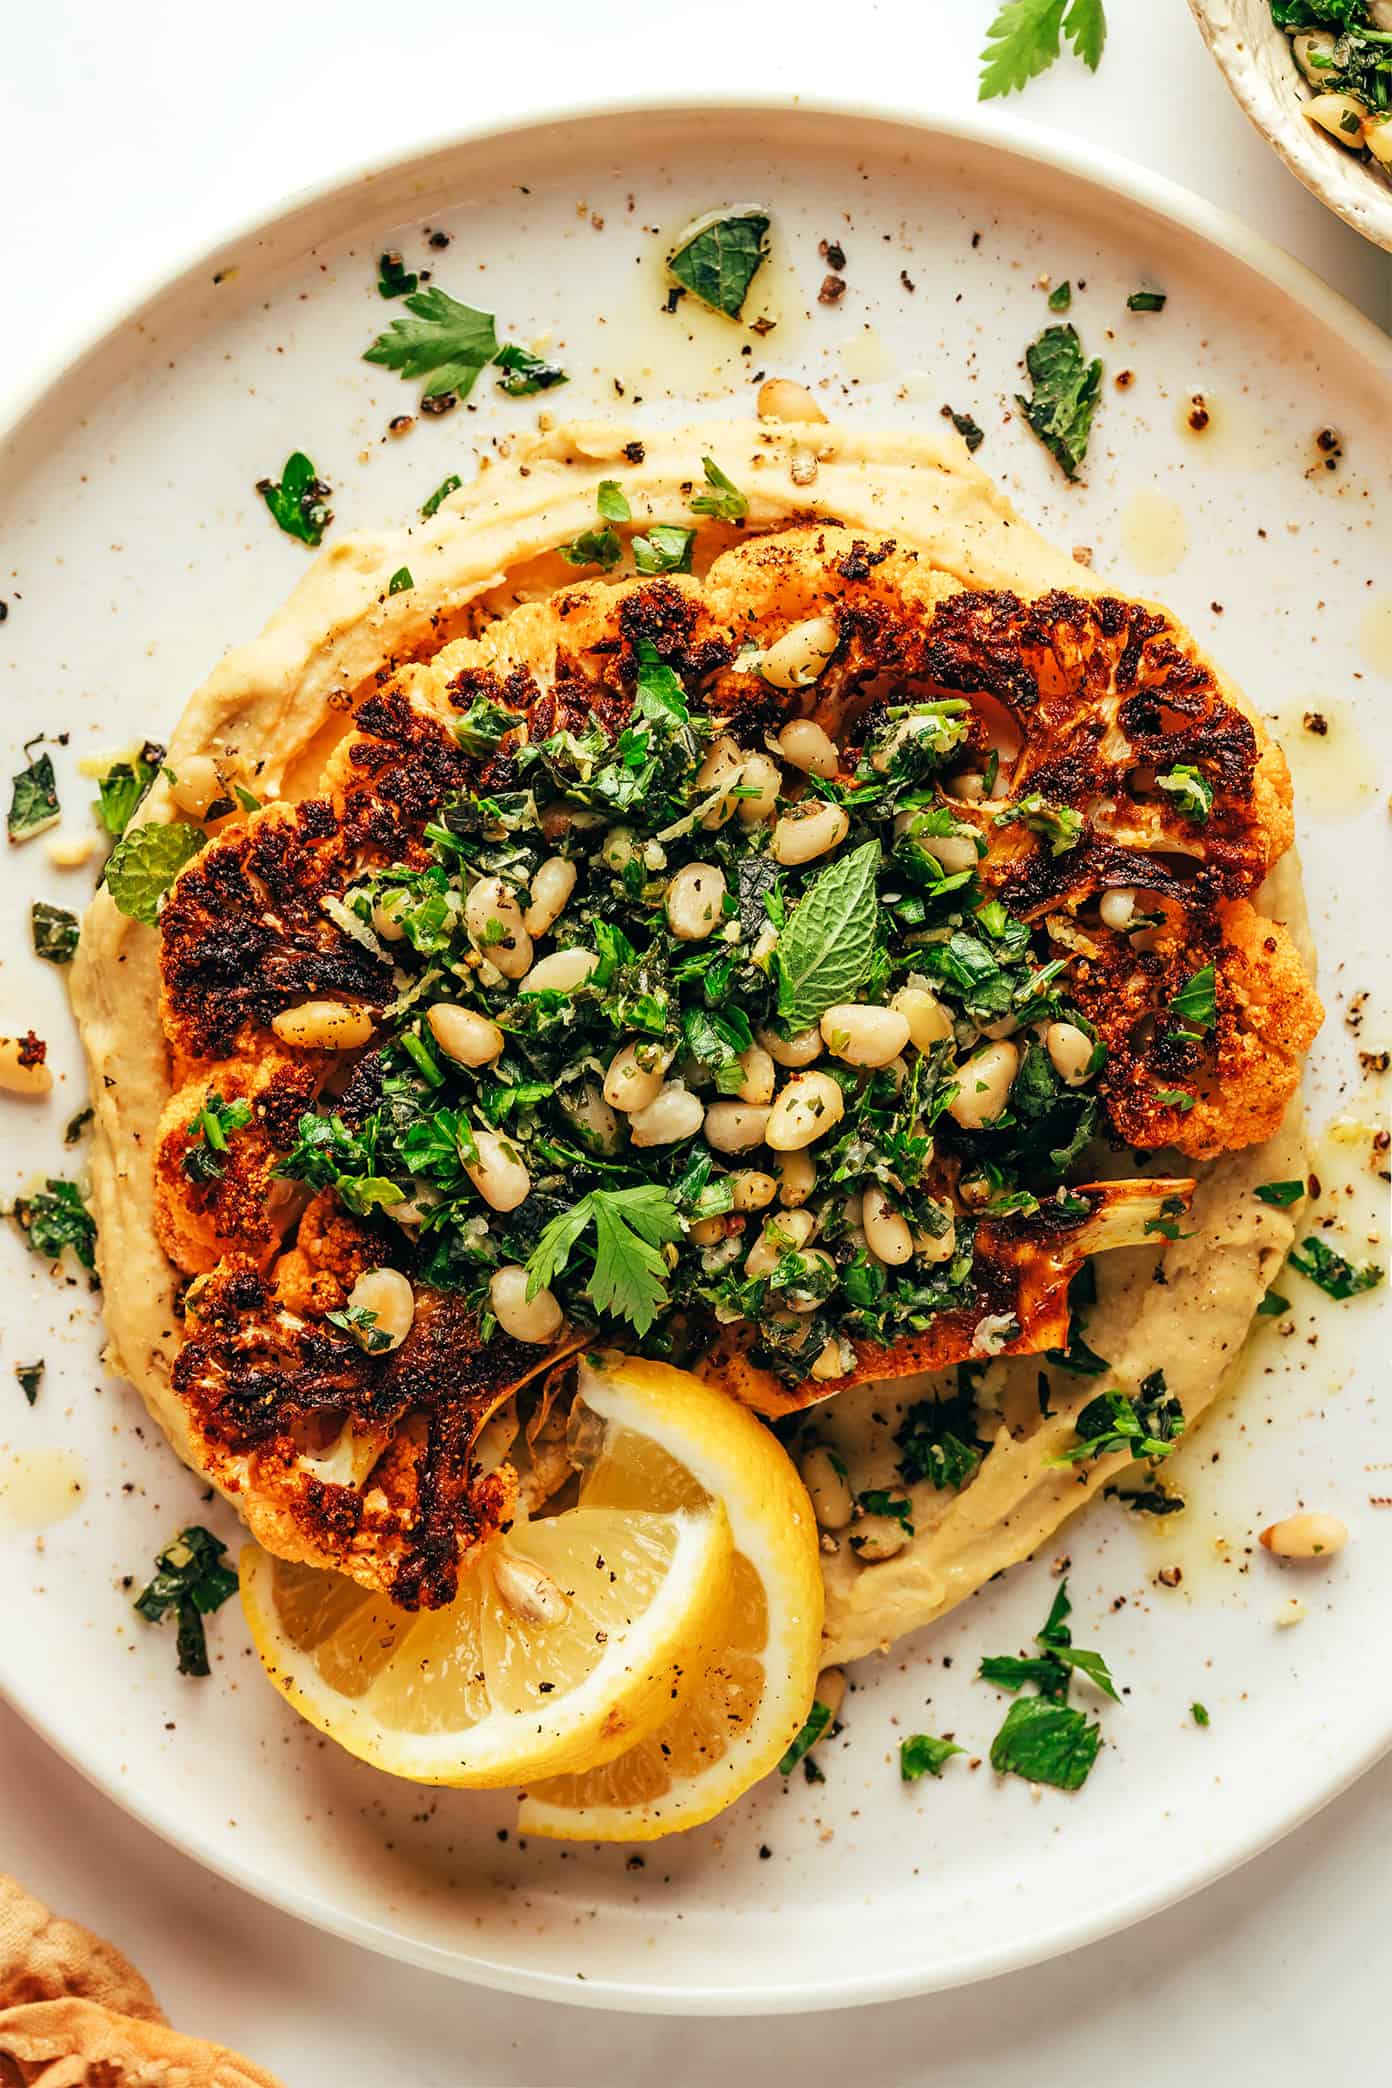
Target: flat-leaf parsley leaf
column 1023, row 41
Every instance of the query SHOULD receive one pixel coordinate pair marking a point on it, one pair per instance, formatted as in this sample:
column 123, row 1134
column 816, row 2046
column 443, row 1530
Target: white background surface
column 129, row 133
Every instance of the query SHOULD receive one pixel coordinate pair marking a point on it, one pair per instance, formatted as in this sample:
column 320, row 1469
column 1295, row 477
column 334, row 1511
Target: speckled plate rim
column 1113, row 177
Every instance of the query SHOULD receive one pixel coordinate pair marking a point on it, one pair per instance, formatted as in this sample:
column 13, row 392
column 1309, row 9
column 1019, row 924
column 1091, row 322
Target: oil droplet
column 40, row 1487
column 1375, row 635
column 1332, row 769
column 691, row 352
column 864, row 357
column 1154, row 533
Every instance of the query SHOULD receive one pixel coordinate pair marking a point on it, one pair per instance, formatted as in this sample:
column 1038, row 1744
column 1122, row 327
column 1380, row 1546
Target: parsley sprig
column 1023, row 41
column 1045, row 1738
column 628, row 1276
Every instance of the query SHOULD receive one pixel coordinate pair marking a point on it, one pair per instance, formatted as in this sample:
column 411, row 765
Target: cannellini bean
column 801, row 1049
column 496, row 928
column 906, row 729
column 1312, row 52
column 831, row 1690
column 1339, row 114
column 619, row 848
column 824, row 1475
column 707, row 1232
column 197, row 785
column 795, row 660
column 18, row 1079
column 863, row 1035
column 953, row 852
column 733, row 1127
column 464, row 1035
column 834, row 1360
column 722, row 765
column 673, row 1114
column 593, row 1119
column 797, row 1178
column 551, row 889
column 530, row 1594
column 809, row 830
column 1306, row 1537
column 635, row 1075
column 1377, row 136
column 386, row 916
column 70, row 851
column 752, row 1189
column 497, row 1174
column 983, row 1086
column 1116, row 907
column 561, row 972
column 878, row 1537
column 809, row 1106
column 761, row 776
column 887, row 1232
column 537, row 1319
column 765, row 943
column 970, row 786
column 695, row 898
column 786, row 1234
column 757, row 1066
column 323, row 1025
column 805, row 1296
column 782, row 399
column 805, row 746
column 938, row 1247
column 928, row 1020
column 1070, row 1052
column 387, row 1295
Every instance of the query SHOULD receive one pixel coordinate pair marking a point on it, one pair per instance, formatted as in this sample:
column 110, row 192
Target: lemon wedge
column 662, row 1438
column 571, row 1639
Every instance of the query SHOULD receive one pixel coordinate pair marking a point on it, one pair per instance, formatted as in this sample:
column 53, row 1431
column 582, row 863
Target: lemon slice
column 570, row 1639
column 757, row 1689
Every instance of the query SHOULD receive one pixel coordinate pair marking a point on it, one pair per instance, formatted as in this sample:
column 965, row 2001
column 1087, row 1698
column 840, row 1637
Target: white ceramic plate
column 135, row 549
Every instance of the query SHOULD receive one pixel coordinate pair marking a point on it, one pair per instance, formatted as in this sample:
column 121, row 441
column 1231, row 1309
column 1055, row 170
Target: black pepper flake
column 907, row 281
column 832, row 291
column 634, row 453
column 635, row 1863
column 4, row 611
column 1198, row 416
column 401, row 423
column 764, row 1852
column 674, row 297
column 833, row 253
column 1316, row 722
column 760, row 327
column 976, row 241
column 439, row 240
column 1125, row 379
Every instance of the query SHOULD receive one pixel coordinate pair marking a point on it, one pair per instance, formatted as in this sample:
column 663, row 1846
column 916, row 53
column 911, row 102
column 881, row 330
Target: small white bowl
column 1256, row 61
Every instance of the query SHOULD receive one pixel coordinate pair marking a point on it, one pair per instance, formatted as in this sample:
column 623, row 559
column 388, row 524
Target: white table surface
column 128, row 133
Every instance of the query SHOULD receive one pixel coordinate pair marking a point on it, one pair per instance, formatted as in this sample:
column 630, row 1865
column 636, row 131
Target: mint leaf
column 191, row 1579
column 665, row 549
column 1329, row 1270
column 719, row 261
column 55, row 932
column 1197, row 999
column 144, row 864
column 725, row 499
column 122, row 789
column 55, row 1217
column 1281, row 1194
column 826, row 950
column 299, row 503
column 922, row 1754
column 1046, row 1742
column 34, row 804
column 1064, row 399
column 444, row 341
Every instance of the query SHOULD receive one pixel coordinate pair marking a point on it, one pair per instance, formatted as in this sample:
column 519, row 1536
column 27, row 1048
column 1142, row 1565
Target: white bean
column 805, row 746
column 795, row 660
column 809, row 1106
column 464, row 1035
column 953, row 852
column 695, row 898
column 720, row 768
column 1070, row 1051
column 496, row 928
column 1313, row 52
column 878, row 1537
column 551, row 888
column 834, row 1360
column 887, row 1232
column 386, row 916
column 387, row 1295
column 970, row 786
column 323, row 1025
column 635, row 1075
column 782, row 399
column 928, row 1020
column 1339, row 114
column 497, row 1174
column 707, row 1232
column 537, row 1319
column 1116, row 907
column 809, row 830
column 1306, row 1537
column 197, row 784
column 1377, row 136
column 803, row 1048
column 803, row 1295
column 785, row 1234
column 619, row 848
column 594, row 1119
column 757, row 1066
column 752, row 1189
column 673, row 1114
column 938, row 1247
column 797, row 1177
column 17, row 1078
column 863, row 1035
column 824, row 1475
column 763, row 777
column 70, row 851
column 733, row 1127
column 561, row 972
column 983, row 1086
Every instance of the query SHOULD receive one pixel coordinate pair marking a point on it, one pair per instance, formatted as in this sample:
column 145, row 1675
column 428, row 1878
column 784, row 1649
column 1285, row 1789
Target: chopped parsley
column 122, row 790
column 1147, row 1427
column 1061, row 297
column 923, row 1754
column 1146, row 301
column 1281, row 1194
column 144, row 864
column 1060, row 825
column 361, row 1322
column 936, row 1440
column 525, row 373
column 719, row 260
column 400, row 581
column 1331, row 1272
column 818, row 1721
column 34, row 806
column 1191, row 791
column 442, row 492
column 665, row 549
column 55, row 1218
column 1023, row 41
column 1197, row 999
column 1066, row 387
column 967, row 428
column 1273, row 1305
column 628, row 1274
column 299, row 500
column 394, row 279
column 205, row 1157
column 55, row 932
column 1199, row 1714
column 192, row 1580
column 602, row 547
column 1044, row 1738
column 30, row 1376
column 724, row 500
